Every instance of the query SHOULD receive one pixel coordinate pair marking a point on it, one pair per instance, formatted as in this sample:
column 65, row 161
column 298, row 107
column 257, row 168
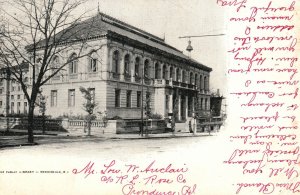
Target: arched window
column 115, row 62
column 93, row 62
column 38, row 65
column 146, row 68
column 201, row 103
column 191, row 78
column 201, row 82
column 196, row 80
column 137, row 66
column 171, row 73
column 205, row 83
column 73, row 68
column 127, row 64
column 164, row 72
column 178, row 74
column 157, row 71
column 183, row 76
column 55, row 64
column 206, row 104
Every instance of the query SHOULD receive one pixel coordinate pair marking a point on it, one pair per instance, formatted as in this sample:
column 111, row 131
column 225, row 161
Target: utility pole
column 142, row 109
column 7, row 97
column 189, row 50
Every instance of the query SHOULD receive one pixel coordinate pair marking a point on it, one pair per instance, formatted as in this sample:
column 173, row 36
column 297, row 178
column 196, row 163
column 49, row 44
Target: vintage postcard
column 137, row 97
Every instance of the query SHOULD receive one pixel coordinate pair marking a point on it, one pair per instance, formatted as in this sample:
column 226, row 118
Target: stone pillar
column 171, row 102
column 161, row 65
column 193, row 104
column 65, row 123
column 110, row 66
column 186, row 106
column 122, row 68
column 207, row 83
column 106, row 69
column 179, row 106
column 202, row 83
column 131, row 66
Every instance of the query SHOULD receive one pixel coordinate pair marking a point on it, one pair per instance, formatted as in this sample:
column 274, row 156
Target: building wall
column 162, row 74
column 63, row 98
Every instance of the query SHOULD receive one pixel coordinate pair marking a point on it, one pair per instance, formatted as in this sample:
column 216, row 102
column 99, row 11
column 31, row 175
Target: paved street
column 201, row 154
column 111, row 144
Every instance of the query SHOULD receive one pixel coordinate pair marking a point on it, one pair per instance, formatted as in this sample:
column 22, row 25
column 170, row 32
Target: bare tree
column 36, row 31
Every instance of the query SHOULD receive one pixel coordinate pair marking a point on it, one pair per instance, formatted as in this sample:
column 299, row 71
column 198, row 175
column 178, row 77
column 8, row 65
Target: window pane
column 128, row 99
column 53, row 98
column 73, row 64
column 138, row 99
column 71, row 98
column 117, row 98
column 136, row 67
column 126, row 64
column 115, row 65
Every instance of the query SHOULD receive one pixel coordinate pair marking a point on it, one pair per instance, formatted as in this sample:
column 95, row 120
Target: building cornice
column 139, row 45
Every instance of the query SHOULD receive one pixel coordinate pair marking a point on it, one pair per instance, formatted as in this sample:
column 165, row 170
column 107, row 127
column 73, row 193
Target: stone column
column 131, row 66
column 186, row 106
column 202, row 83
column 193, row 104
column 122, row 68
column 171, row 103
column 161, row 65
column 179, row 106
column 109, row 65
column 106, row 67
column 207, row 83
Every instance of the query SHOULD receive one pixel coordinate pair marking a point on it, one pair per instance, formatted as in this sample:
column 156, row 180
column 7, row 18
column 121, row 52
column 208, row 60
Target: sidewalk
column 59, row 137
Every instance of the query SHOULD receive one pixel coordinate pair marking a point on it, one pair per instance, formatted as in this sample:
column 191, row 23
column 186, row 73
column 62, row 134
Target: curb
column 17, row 145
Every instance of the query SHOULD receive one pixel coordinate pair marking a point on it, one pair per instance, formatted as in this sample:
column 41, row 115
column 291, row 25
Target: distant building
column 131, row 66
column 12, row 98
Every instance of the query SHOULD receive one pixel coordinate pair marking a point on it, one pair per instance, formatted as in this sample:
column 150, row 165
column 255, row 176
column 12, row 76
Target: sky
column 174, row 18
column 171, row 19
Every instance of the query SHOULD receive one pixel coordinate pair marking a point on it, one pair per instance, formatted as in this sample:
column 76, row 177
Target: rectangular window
column 25, row 107
column 138, row 99
column 12, row 107
column 53, row 100
column 0, row 104
column 128, row 99
column 12, row 97
column 19, row 107
column 71, row 97
column 117, row 97
column 1, row 90
column 12, row 88
column 93, row 65
column 73, row 67
column 19, row 97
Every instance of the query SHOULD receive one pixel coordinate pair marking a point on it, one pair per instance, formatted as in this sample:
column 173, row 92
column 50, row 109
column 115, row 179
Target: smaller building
column 12, row 98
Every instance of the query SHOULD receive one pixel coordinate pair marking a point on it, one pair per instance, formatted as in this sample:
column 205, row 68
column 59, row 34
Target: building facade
column 124, row 67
